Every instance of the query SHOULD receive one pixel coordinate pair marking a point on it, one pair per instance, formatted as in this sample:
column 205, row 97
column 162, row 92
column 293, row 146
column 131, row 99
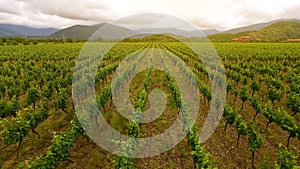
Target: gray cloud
column 49, row 13
column 78, row 10
column 220, row 14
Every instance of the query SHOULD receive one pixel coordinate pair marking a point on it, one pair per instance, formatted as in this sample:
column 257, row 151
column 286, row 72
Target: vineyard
column 259, row 126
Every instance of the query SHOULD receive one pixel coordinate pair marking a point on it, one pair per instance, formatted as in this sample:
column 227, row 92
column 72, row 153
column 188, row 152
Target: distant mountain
column 114, row 32
column 8, row 33
column 85, row 32
column 208, row 32
column 8, row 30
column 110, row 31
column 178, row 32
column 275, row 32
column 258, row 26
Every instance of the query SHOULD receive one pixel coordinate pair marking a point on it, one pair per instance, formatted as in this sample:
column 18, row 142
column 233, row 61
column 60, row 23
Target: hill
column 7, row 33
column 276, row 32
column 179, row 32
column 85, row 32
column 115, row 32
column 8, row 30
column 154, row 38
column 259, row 26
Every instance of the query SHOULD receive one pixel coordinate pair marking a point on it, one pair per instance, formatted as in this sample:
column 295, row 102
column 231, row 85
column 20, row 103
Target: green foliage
column 293, row 102
column 61, row 101
column 60, row 148
column 229, row 88
column 8, row 109
column 51, row 72
column 229, row 115
column 103, row 72
column 274, row 93
column 255, row 86
column 15, row 129
column 244, row 95
column 240, row 126
column 141, row 99
column 134, row 129
column 255, row 140
column 32, row 96
column 103, row 98
column 285, row 158
column 288, row 123
column 256, row 106
column 206, row 91
column 270, row 113
column 200, row 157
column 124, row 163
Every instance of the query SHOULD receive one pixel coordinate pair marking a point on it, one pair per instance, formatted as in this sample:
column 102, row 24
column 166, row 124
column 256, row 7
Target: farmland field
column 260, row 124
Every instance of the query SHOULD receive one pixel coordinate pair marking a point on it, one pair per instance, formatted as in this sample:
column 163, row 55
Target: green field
column 260, row 125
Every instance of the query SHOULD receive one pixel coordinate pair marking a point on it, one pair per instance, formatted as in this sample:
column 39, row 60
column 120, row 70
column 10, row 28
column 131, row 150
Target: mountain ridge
column 275, row 32
column 258, row 26
column 9, row 30
column 84, row 32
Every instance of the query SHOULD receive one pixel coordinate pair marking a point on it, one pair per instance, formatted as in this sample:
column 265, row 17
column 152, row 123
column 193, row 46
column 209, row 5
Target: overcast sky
column 219, row 14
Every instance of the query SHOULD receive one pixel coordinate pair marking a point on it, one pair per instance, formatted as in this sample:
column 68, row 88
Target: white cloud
column 221, row 14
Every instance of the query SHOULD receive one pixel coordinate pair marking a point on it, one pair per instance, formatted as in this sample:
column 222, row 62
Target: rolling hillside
column 115, row 32
column 85, row 32
column 276, row 32
column 259, row 26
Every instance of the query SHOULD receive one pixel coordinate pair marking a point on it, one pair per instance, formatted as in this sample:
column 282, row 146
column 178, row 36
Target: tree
column 255, row 86
column 270, row 114
column 256, row 106
column 62, row 100
column 244, row 95
column 14, row 130
column 200, row 157
column 274, row 94
column 229, row 88
column 288, row 123
column 255, row 140
column 229, row 115
column 241, row 128
column 32, row 96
